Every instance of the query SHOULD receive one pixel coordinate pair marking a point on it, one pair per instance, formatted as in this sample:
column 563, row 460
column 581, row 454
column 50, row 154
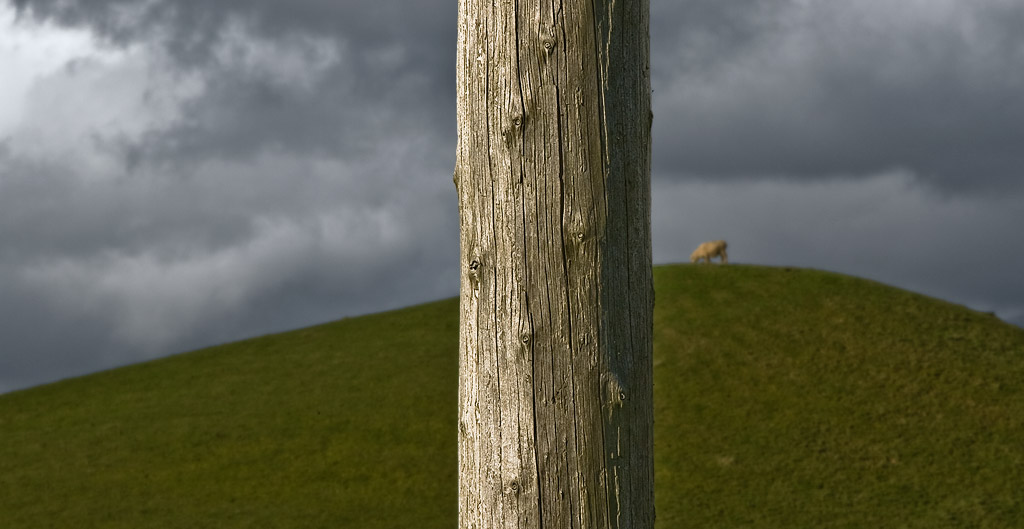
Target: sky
column 181, row 173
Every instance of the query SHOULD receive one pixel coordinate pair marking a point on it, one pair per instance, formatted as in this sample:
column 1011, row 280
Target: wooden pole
column 553, row 176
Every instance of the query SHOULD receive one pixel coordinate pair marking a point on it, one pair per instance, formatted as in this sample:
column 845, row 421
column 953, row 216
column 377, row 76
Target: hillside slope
column 784, row 398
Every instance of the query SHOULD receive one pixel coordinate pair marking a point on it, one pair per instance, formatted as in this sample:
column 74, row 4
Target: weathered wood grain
column 553, row 177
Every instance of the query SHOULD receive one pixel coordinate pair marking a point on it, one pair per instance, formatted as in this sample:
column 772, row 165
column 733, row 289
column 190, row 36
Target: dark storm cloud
column 232, row 169
column 191, row 28
column 392, row 63
column 107, row 273
column 813, row 89
column 40, row 339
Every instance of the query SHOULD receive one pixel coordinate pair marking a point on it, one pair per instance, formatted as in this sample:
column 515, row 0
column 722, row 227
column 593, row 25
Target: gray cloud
column 283, row 75
column 805, row 89
column 226, row 170
column 107, row 273
column 190, row 28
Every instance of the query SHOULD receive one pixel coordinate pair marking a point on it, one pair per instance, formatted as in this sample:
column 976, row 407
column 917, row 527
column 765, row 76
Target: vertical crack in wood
column 564, row 216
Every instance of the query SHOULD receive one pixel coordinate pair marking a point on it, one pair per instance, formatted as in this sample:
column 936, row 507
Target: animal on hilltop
column 710, row 249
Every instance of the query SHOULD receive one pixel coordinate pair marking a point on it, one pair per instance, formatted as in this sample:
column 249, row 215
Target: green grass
column 797, row 398
column 347, row 424
column 784, row 398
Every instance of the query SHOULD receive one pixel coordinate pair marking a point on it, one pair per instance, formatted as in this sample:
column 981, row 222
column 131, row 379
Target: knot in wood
column 513, row 130
column 615, row 392
column 474, row 273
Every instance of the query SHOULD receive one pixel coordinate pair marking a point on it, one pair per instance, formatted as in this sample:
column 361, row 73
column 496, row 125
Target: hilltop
column 783, row 398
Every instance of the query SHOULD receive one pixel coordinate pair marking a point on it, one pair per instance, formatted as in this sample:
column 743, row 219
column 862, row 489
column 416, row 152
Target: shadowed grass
column 342, row 425
column 783, row 398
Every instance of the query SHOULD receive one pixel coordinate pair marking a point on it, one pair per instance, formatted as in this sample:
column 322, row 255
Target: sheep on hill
column 710, row 249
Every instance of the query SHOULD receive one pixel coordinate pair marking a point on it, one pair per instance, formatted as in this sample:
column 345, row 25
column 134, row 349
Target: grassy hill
column 784, row 398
